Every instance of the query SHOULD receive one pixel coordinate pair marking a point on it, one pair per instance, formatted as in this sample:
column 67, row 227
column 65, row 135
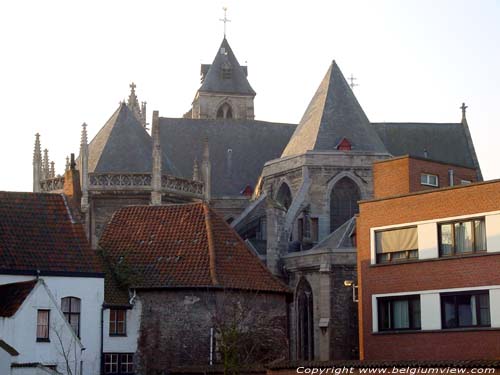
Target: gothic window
column 343, row 202
column 225, row 111
column 305, row 322
column 284, row 196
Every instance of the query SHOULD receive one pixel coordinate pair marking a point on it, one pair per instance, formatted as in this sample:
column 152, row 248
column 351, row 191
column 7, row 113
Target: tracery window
column 343, row 202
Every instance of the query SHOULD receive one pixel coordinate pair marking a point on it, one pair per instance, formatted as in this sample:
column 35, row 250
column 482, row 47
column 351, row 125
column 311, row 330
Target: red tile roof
column 185, row 245
column 13, row 296
column 37, row 232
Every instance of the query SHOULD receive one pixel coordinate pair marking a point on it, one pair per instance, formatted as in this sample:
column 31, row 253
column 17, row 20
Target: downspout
column 102, row 339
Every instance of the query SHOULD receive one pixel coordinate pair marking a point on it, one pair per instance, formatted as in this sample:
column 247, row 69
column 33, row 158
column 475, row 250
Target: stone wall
column 176, row 324
column 205, row 105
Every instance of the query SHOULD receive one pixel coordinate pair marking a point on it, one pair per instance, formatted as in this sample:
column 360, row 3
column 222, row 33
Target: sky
column 63, row 63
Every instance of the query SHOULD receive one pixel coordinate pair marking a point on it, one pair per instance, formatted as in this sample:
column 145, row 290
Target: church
column 291, row 191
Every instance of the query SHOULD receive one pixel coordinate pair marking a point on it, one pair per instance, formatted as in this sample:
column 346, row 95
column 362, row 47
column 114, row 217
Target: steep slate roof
column 252, row 143
column 37, row 232
column 213, row 81
column 333, row 114
column 123, row 146
column 446, row 143
column 182, row 246
column 13, row 296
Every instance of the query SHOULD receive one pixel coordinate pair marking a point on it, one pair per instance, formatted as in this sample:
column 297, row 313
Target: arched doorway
column 305, row 321
column 284, row 196
column 343, row 202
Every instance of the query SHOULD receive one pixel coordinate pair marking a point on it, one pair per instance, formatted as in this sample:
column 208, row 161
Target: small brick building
column 428, row 267
column 196, row 281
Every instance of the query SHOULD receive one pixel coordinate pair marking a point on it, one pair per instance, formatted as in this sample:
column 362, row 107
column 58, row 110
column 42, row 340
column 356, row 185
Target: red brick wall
column 418, row 166
column 424, row 275
column 391, row 177
column 402, row 175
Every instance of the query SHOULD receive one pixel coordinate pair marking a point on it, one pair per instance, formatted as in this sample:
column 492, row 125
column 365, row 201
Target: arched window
column 343, row 202
column 305, row 321
column 284, row 196
column 71, row 307
column 225, row 111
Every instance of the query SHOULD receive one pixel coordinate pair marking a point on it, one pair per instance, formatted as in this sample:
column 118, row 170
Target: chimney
column 72, row 189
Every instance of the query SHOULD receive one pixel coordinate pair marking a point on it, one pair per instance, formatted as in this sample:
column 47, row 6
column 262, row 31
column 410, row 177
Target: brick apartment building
column 429, row 264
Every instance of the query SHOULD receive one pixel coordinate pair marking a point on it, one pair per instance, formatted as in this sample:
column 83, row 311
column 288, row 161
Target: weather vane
column 225, row 20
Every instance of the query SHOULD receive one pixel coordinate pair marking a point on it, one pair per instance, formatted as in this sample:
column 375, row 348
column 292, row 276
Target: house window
column 465, row 182
column 111, row 363
column 119, row 363
column 462, row 237
column 126, row 363
column 71, row 308
column 469, row 309
column 42, row 325
column 429, row 179
column 399, row 313
column 117, row 322
column 396, row 245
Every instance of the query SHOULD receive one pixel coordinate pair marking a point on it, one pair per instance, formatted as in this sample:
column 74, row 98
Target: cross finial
column 351, row 83
column 132, row 86
column 225, row 20
column 464, row 109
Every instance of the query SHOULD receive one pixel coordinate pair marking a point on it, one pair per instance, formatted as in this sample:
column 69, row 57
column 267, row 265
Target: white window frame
column 425, row 179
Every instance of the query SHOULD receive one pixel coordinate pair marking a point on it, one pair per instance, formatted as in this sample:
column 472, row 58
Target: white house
column 41, row 237
column 38, row 333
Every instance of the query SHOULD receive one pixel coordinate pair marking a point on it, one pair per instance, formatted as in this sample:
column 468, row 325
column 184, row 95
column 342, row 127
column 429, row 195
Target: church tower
column 225, row 92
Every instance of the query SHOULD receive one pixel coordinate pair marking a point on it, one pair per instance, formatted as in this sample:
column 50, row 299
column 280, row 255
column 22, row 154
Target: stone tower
column 225, row 92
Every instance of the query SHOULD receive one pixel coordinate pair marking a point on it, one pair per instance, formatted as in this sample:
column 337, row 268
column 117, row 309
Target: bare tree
column 67, row 348
column 247, row 333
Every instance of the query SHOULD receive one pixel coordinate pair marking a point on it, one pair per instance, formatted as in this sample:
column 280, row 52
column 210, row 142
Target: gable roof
column 333, row 114
column 213, row 80
column 238, row 149
column 446, row 143
column 122, row 145
column 182, row 246
column 13, row 295
column 37, row 232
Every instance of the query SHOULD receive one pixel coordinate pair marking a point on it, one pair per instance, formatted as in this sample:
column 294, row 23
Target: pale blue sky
column 63, row 63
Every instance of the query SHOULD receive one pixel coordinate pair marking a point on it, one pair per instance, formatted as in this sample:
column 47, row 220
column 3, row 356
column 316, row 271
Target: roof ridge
column 211, row 245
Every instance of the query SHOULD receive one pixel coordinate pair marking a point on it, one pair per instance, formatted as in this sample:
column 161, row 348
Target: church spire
column 84, row 168
column 334, row 118
column 156, row 172
column 45, row 164
column 139, row 110
column 37, row 164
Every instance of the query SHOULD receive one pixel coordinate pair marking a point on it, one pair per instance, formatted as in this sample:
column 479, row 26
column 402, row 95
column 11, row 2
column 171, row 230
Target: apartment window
column 429, row 179
column 119, row 363
column 468, row 309
column 396, row 245
column 42, row 325
column 399, row 313
column 117, row 322
column 462, row 237
column 71, row 307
